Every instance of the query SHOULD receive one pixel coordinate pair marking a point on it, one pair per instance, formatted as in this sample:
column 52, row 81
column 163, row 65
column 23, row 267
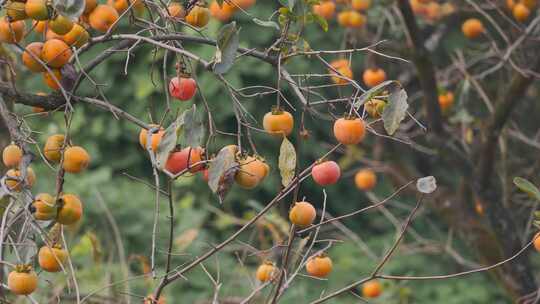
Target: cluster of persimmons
column 64, row 208
column 252, row 169
column 61, row 35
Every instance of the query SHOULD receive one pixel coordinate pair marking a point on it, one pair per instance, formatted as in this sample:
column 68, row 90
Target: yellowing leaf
column 287, row 162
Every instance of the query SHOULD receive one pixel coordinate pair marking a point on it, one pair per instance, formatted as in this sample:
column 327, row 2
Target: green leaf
column 168, row 142
column 227, row 46
column 271, row 24
column 221, row 172
column 287, row 162
column 527, row 187
column 193, row 128
column 376, row 90
column 70, row 8
column 395, row 110
column 143, row 87
column 321, row 21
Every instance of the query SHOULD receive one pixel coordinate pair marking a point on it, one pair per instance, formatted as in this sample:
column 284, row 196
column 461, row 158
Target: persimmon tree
column 446, row 123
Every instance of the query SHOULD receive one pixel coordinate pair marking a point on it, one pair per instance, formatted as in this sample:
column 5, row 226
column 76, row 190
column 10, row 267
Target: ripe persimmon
column 510, row 4
column 521, row 12
column 266, row 272
column 349, row 131
column 39, row 26
column 371, row 289
column 252, row 170
column 472, row 28
column 356, row 19
column 37, row 9
column 30, row 57
column 351, row 19
column 198, row 16
column 479, row 207
column 23, row 280
column 12, row 156
column 76, row 159
column 375, row 107
column 49, row 78
column 433, row 11
column 342, row 66
column 325, row 9
column 243, row 4
column 529, row 3
column 340, row 63
column 15, row 10
column 49, row 35
column 182, row 88
column 176, row 10
column 224, row 12
column 51, row 259
column 61, row 25
column 150, row 300
column 186, row 158
column 446, row 101
column 326, row 173
column 53, row 147
column 77, row 37
column 374, row 76
column 537, row 242
column 45, row 208
column 156, row 137
column 103, row 17
column 343, row 18
column 122, row 5
column 11, row 32
column 302, row 214
column 365, row 179
column 55, row 53
column 278, row 122
column 319, row 266
column 13, row 176
column 360, row 5
column 70, row 210
column 89, row 6
column 418, row 7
